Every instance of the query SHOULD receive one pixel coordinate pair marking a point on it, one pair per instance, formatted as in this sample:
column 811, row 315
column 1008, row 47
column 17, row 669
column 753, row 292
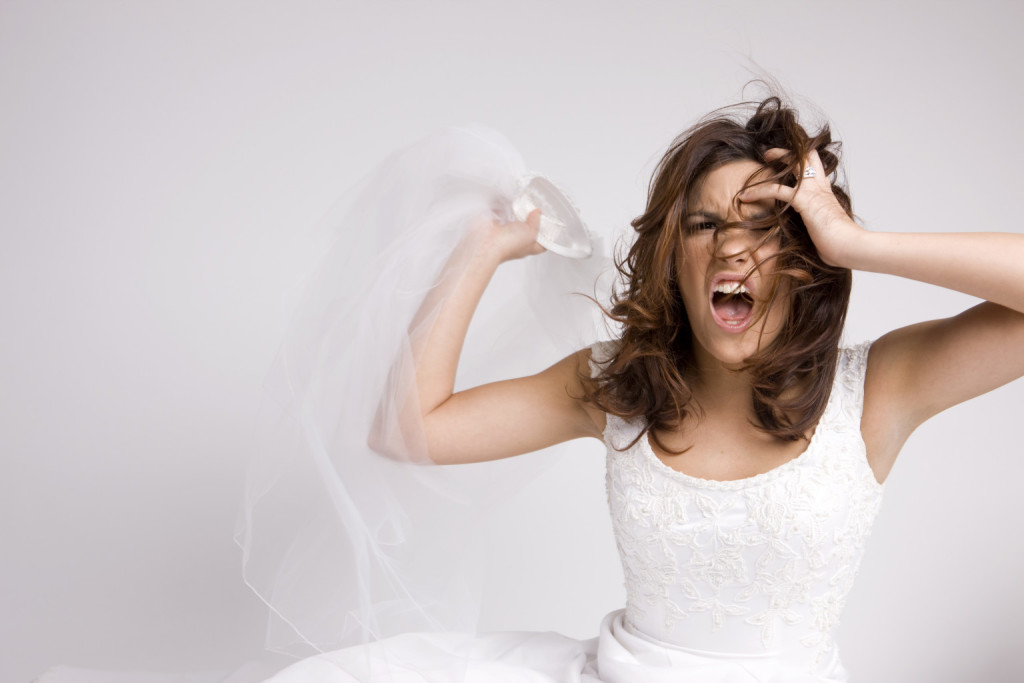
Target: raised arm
column 504, row 418
column 918, row 371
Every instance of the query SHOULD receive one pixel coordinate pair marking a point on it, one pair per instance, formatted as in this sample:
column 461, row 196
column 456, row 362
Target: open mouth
column 732, row 305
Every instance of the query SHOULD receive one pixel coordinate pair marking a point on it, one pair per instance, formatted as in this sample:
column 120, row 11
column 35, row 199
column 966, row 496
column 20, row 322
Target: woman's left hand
column 831, row 230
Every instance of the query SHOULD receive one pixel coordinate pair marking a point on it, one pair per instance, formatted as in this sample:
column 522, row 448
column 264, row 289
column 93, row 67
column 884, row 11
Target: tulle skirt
column 617, row 655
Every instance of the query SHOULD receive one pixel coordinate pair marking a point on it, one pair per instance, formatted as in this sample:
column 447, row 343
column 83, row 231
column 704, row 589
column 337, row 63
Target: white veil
column 348, row 546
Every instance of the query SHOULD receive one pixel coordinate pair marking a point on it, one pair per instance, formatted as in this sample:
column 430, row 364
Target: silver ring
column 809, row 172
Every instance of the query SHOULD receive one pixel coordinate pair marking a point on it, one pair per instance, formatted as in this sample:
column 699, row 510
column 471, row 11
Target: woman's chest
column 723, row 452
column 744, row 490
column 799, row 499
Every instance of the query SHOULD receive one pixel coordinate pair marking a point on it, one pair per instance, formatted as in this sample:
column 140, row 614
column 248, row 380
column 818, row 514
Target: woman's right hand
column 514, row 240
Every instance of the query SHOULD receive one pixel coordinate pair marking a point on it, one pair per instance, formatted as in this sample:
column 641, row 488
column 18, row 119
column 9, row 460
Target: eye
column 703, row 226
column 766, row 230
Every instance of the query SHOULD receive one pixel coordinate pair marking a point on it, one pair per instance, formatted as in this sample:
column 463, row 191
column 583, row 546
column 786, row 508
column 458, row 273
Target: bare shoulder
column 570, row 377
column 916, row 372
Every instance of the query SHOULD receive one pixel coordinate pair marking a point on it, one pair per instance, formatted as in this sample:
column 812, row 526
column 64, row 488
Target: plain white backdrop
column 162, row 165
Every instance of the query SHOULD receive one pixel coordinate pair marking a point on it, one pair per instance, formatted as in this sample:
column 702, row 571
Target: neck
column 717, row 386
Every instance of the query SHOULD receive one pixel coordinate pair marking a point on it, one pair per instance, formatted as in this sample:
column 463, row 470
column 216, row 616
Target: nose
column 736, row 245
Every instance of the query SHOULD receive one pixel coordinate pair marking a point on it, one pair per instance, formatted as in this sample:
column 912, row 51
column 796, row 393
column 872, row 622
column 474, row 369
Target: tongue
column 735, row 308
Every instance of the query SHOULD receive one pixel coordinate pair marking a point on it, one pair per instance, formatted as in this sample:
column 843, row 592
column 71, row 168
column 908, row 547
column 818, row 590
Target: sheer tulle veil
column 347, row 543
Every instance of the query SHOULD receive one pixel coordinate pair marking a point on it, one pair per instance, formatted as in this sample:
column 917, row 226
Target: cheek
column 691, row 289
column 778, row 314
column 768, row 252
column 691, row 270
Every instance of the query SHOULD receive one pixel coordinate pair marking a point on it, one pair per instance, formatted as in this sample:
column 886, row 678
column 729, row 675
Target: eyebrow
column 703, row 214
column 708, row 215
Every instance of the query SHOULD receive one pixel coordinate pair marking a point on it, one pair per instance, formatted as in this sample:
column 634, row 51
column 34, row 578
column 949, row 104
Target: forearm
column 989, row 266
column 441, row 325
column 986, row 265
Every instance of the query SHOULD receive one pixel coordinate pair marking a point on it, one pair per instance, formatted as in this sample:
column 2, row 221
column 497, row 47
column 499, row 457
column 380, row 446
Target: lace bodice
column 756, row 566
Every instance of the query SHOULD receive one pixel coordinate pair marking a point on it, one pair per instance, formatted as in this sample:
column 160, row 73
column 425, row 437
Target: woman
column 746, row 450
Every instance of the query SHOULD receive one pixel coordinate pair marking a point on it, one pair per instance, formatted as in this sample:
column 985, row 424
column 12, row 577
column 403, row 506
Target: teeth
column 731, row 287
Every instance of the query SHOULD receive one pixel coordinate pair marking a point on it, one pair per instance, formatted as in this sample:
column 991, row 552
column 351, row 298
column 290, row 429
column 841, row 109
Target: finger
column 814, row 161
column 764, row 191
column 776, row 153
column 533, row 221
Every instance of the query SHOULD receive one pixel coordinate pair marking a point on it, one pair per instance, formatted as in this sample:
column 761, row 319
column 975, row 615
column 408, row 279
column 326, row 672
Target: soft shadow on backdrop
column 163, row 166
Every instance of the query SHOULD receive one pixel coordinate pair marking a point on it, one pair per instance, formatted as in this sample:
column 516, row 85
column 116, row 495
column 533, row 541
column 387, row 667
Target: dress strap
column 849, row 382
column 617, row 432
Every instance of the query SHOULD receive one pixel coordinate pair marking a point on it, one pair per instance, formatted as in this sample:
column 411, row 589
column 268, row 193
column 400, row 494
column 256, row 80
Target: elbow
column 383, row 447
column 393, row 446
column 404, row 431
column 402, row 441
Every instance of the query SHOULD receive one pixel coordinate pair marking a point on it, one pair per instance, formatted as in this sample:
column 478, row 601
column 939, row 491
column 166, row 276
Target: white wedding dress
column 726, row 581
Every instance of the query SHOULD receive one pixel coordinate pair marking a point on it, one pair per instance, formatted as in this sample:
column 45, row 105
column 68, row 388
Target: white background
column 162, row 166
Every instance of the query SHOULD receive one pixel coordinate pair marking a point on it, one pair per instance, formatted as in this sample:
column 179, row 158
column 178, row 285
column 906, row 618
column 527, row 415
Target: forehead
column 719, row 187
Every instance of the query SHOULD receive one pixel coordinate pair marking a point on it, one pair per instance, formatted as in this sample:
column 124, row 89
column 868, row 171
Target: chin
column 734, row 359
column 734, row 351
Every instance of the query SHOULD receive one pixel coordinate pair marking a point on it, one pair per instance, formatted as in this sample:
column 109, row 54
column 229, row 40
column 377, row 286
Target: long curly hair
column 651, row 373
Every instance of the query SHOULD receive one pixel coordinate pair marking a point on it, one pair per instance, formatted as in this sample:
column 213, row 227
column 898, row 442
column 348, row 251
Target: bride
column 746, row 448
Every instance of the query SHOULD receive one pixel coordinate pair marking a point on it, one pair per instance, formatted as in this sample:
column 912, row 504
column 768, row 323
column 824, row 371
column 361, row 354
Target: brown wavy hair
column 651, row 373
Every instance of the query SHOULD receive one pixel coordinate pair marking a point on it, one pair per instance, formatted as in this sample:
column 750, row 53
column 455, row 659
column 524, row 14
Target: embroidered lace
column 760, row 565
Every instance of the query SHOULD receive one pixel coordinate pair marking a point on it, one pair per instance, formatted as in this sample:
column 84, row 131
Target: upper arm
column 513, row 416
column 918, row 371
